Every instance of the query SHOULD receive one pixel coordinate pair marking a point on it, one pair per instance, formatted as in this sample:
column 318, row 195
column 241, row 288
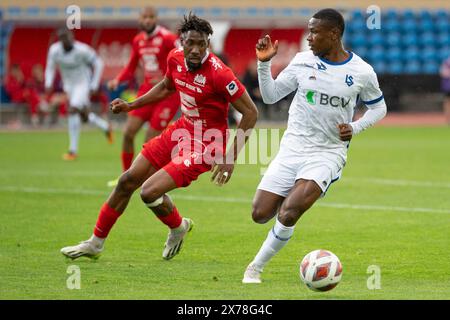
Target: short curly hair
column 192, row 22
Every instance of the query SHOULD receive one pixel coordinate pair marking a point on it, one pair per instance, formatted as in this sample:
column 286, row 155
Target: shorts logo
column 232, row 88
column 324, row 183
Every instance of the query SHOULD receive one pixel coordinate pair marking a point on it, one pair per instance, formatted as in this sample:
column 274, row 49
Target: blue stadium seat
column 442, row 25
column 426, row 25
column 429, row 54
column 394, row 54
column 390, row 14
column 408, row 14
column 52, row 11
column 216, row 11
column 427, row 39
column 362, row 52
column 395, row 68
column 391, row 25
column 443, row 53
column 425, row 14
column 409, row 25
column 357, row 25
column 430, row 67
column 393, row 39
column 358, row 14
column 410, row 39
column 33, row 11
column 380, row 67
column 411, row 53
column 376, row 38
column 442, row 14
column 413, row 67
column 358, row 40
column 443, row 39
column 376, row 54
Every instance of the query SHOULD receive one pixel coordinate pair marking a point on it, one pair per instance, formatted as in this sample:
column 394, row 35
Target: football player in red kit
column 206, row 87
column 150, row 48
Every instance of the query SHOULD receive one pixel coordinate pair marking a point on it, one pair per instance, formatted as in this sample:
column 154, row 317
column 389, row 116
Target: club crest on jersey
column 321, row 66
column 232, row 88
column 157, row 41
column 200, row 80
column 179, row 69
column 349, row 80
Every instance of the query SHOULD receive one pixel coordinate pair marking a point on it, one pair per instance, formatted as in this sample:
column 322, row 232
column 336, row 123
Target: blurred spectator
column 48, row 105
column 445, row 86
column 19, row 92
column 250, row 81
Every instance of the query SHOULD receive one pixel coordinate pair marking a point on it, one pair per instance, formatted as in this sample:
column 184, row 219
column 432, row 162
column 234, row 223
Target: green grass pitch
column 391, row 209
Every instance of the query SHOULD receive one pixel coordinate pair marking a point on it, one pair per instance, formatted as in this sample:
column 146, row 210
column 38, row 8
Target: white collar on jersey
column 203, row 60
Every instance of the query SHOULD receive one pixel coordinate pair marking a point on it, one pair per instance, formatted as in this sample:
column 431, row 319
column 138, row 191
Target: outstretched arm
column 163, row 89
column 272, row 90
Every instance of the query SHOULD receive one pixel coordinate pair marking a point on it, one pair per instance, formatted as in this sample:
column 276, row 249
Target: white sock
column 74, row 125
column 98, row 121
column 277, row 238
column 98, row 242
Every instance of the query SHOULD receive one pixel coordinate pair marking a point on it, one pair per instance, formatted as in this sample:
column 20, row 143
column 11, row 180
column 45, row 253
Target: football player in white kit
column 329, row 81
column 81, row 70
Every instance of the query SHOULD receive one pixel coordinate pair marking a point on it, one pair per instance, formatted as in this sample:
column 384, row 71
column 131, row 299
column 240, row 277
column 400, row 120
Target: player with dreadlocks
column 192, row 145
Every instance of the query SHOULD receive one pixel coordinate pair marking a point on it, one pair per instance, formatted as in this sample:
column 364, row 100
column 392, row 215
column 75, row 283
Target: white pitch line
column 223, row 199
column 345, row 179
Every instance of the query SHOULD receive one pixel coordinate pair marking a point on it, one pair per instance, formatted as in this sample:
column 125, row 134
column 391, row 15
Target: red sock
column 173, row 220
column 127, row 160
column 105, row 221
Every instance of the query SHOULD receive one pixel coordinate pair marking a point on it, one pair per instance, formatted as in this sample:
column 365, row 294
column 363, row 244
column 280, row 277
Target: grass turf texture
column 400, row 175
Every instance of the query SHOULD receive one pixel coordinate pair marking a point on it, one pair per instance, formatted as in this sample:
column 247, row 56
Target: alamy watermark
column 74, row 279
column 374, row 280
column 373, row 17
column 73, row 21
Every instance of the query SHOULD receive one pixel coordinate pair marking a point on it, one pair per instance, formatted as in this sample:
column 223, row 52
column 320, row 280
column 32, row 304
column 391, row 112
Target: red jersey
column 205, row 93
column 150, row 51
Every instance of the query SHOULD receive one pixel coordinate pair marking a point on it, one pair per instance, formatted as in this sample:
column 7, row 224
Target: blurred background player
column 206, row 87
column 149, row 49
column 313, row 151
column 81, row 70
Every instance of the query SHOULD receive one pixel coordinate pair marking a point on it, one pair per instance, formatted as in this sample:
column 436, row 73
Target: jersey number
column 188, row 105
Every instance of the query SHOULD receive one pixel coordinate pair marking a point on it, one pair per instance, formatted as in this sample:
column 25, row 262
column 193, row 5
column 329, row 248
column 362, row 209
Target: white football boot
column 252, row 274
column 86, row 248
column 175, row 239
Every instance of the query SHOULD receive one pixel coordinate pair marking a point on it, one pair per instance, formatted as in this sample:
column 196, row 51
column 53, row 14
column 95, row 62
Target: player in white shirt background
column 329, row 81
column 81, row 70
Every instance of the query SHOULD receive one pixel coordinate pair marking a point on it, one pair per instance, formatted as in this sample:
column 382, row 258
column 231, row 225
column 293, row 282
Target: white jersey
column 75, row 66
column 327, row 93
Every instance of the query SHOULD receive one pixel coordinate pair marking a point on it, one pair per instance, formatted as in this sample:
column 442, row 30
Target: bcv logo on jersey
column 313, row 98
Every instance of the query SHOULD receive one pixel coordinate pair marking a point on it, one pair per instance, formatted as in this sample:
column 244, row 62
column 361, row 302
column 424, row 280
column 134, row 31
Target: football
column 321, row 270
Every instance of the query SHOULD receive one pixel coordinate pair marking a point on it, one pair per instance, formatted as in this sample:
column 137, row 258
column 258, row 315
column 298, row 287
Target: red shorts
column 183, row 159
column 159, row 114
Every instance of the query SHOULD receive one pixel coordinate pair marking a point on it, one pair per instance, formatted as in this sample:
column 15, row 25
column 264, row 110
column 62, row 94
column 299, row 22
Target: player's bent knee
column 127, row 184
column 151, row 195
column 289, row 216
column 261, row 216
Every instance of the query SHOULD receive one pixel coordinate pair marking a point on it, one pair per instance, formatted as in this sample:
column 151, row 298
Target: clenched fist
column 119, row 105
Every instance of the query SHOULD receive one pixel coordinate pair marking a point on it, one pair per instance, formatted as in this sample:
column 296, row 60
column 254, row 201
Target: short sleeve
column 371, row 93
column 171, row 64
column 228, row 85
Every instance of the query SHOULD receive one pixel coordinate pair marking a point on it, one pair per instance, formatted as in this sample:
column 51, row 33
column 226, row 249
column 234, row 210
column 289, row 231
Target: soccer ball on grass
column 321, row 270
